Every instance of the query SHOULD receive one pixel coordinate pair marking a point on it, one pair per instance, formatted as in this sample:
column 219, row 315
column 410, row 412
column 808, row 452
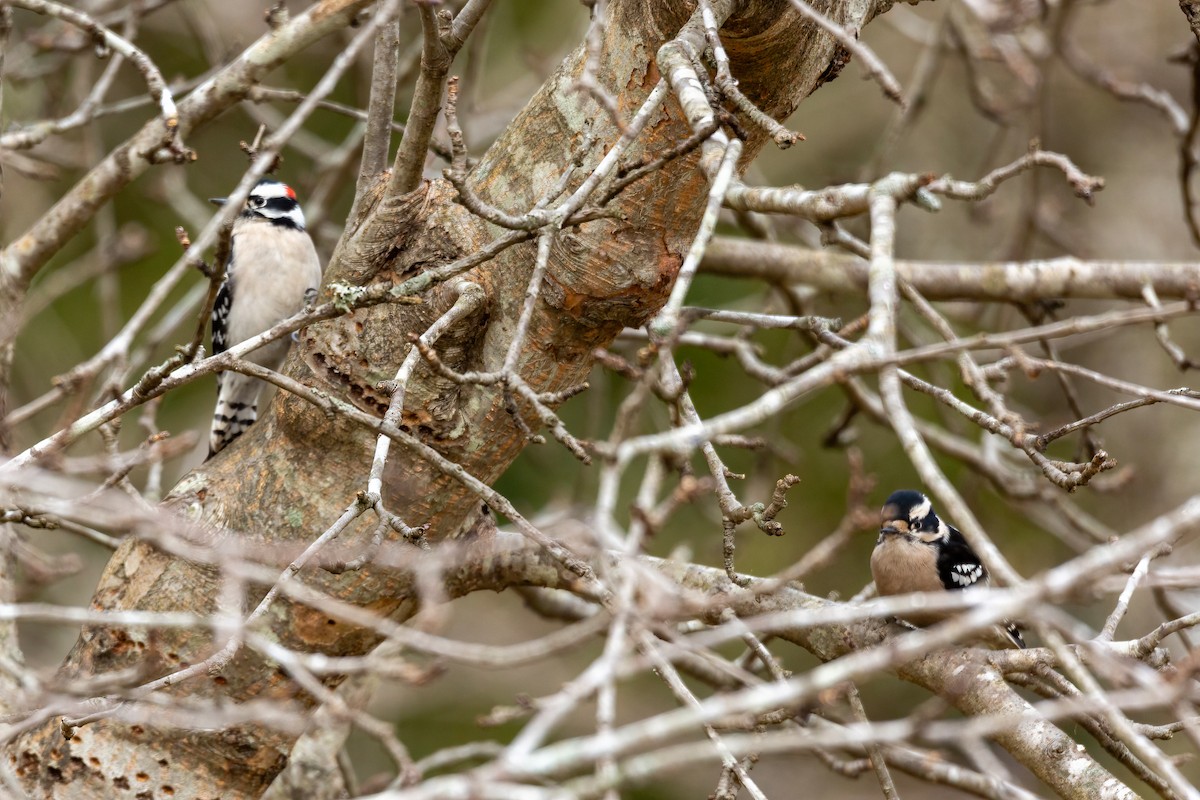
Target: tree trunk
column 290, row 476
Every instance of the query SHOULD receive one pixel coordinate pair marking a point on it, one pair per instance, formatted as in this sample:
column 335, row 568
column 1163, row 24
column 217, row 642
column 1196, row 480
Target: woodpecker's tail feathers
column 1013, row 633
column 237, row 409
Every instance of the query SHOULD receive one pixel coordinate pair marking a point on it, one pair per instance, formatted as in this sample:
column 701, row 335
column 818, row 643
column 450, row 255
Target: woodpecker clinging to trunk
column 272, row 269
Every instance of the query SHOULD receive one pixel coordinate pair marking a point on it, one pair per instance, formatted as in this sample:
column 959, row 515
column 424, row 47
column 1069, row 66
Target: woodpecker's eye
column 916, row 524
column 258, row 202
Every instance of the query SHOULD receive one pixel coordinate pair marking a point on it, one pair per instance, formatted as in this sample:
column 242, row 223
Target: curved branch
column 154, row 79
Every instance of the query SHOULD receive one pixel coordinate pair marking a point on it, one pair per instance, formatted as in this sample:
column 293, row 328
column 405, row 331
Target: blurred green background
column 1138, row 216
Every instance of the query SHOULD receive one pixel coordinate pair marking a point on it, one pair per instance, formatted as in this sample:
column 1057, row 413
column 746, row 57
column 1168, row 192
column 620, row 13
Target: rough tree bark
column 290, row 476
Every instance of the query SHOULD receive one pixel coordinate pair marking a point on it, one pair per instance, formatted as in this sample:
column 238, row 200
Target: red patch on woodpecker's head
column 290, row 192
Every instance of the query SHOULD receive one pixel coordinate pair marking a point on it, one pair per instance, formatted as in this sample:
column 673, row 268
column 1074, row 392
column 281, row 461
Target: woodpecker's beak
column 888, row 529
column 218, row 201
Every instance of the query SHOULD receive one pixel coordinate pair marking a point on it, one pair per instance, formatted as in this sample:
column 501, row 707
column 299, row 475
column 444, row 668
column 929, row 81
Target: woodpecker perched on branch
column 272, row 270
column 918, row 552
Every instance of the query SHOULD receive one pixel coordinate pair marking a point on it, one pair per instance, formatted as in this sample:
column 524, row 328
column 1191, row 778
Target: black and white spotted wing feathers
column 237, row 395
column 220, row 318
column 958, row 566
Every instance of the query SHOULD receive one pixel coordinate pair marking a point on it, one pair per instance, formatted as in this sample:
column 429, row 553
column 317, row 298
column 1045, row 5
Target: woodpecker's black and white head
column 909, row 513
column 273, row 201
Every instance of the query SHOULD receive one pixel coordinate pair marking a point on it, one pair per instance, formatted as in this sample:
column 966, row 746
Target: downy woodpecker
column 272, row 270
column 918, row 552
